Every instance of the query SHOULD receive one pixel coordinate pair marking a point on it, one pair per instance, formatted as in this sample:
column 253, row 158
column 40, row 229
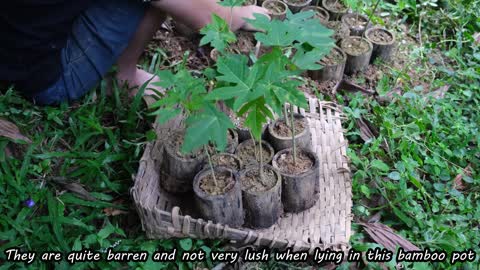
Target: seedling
column 373, row 11
column 231, row 4
column 205, row 124
column 260, row 90
column 355, row 6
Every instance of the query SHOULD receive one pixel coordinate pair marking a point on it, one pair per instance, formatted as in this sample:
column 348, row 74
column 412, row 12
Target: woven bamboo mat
column 326, row 225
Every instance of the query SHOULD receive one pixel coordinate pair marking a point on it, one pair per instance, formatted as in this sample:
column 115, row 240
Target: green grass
column 97, row 143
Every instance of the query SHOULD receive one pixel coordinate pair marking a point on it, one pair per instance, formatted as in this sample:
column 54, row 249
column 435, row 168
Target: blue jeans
column 99, row 36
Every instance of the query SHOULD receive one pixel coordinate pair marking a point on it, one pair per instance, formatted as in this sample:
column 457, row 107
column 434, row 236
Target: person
column 55, row 51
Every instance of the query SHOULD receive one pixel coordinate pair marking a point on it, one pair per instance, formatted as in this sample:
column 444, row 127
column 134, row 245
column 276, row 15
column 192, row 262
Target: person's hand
column 247, row 12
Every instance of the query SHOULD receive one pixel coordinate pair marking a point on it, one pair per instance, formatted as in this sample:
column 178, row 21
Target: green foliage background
column 99, row 141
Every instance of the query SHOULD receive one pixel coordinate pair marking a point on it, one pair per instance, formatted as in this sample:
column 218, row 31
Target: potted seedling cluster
column 217, row 188
column 257, row 90
column 359, row 42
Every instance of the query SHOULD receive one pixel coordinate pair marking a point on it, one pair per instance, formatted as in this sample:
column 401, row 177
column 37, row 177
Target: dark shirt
column 32, row 35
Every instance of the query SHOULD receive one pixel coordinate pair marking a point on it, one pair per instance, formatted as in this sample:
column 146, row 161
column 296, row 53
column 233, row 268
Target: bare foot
column 134, row 80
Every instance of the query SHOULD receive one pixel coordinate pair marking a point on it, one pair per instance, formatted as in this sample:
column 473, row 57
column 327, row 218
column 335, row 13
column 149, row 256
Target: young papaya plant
column 260, row 90
column 205, row 124
column 372, row 13
column 231, row 4
column 356, row 6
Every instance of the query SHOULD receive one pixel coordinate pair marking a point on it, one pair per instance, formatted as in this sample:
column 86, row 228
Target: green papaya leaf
column 217, row 33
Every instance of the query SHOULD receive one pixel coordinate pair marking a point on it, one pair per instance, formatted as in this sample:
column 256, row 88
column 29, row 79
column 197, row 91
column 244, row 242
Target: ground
column 65, row 174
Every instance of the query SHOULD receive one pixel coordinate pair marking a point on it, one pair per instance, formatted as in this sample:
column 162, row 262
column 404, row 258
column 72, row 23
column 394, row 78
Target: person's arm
column 197, row 13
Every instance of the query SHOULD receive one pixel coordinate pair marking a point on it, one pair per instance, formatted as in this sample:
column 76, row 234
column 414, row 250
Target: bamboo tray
column 325, row 225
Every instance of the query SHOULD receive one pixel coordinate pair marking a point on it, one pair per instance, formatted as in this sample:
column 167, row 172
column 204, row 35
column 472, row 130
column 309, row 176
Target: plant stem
column 254, row 146
column 373, row 12
column 285, row 114
column 261, row 162
column 293, row 139
column 211, row 166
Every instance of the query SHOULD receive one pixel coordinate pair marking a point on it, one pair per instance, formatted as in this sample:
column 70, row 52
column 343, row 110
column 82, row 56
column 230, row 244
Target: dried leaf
column 389, row 96
column 75, row 188
column 387, row 237
column 368, row 131
column 352, row 87
column 458, row 183
column 365, row 133
column 11, row 131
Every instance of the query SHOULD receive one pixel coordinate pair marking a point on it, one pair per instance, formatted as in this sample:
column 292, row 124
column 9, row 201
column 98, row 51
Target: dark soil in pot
column 383, row 43
column 299, row 180
column 226, row 160
column 333, row 66
column 248, row 152
column 232, row 143
column 341, row 30
column 244, row 45
column 357, row 23
column 359, row 51
column 280, row 134
column 321, row 14
column 261, row 197
column 336, row 8
column 260, row 50
column 277, row 9
column 178, row 168
column 242, row 132
column 219, row 199
column 297, row 5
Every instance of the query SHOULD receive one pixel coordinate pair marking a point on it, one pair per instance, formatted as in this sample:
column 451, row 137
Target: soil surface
column 335, row 5
column 356, row 22
column 224, row 183
column 275, row 7
column 286, row 165
column 368, row 78
column 249, row 153
column 328, row 89
column 355, row 46
column 341, row 30
column 245, row 43
column 380, row 36
column 174, row 47
column 313, row 88
column 226, row 160
column 252, row 181
column 176, row 141
column 281, row 129
column 249, row 3
column 332, row 58
column 230, row 139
